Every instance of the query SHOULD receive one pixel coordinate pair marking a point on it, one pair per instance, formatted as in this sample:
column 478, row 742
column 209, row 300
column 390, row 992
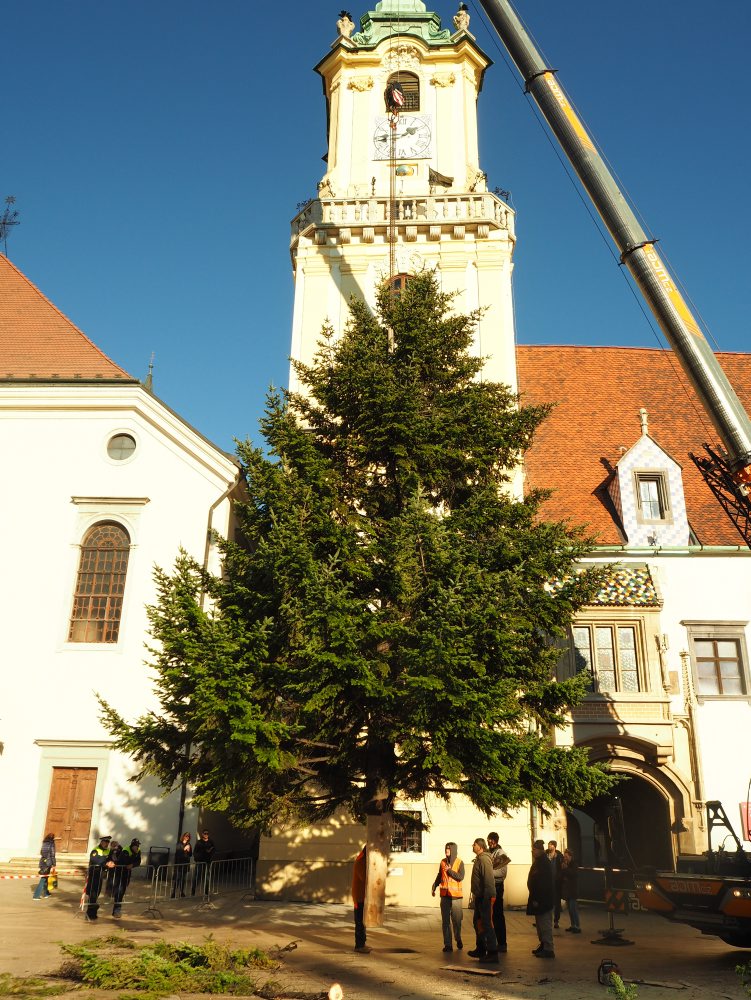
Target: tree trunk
column 379, row 831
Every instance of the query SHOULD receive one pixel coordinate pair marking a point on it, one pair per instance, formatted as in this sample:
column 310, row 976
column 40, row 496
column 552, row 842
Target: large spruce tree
column 387, row 619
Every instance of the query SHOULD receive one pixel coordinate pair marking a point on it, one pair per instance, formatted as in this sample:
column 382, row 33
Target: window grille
column 410, row 85
column 407, row 835
column 100, row 585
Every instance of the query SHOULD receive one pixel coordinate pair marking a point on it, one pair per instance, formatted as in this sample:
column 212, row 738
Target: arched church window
column 410, row 85
column 100, row 584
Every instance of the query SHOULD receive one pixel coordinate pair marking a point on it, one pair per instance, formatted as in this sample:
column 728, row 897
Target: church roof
column 39, row 343
column 598, row 392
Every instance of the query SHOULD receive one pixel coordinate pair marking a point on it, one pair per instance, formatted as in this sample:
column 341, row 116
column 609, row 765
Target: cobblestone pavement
column 406, row 962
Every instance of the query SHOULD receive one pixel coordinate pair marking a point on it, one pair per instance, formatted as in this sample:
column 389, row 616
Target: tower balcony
column 333, row 221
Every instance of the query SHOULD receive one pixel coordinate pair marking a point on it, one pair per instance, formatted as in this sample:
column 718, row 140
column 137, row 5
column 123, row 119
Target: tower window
column 410, row 85
column 100, row 585
column 398, row 283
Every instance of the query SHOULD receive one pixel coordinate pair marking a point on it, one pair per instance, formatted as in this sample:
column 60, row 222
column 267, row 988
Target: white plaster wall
column 713, row 589
column 316, row 863
column 710, row 586
column 54, row 447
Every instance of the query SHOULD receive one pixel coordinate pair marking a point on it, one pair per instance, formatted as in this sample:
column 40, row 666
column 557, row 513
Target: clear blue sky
column 157, row 151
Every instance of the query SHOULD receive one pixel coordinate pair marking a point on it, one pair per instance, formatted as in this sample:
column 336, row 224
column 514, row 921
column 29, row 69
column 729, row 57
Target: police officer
column 127, row 859
column 100, row 861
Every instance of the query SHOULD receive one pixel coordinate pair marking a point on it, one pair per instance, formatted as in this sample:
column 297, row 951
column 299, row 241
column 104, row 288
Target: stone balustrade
column 342, row 219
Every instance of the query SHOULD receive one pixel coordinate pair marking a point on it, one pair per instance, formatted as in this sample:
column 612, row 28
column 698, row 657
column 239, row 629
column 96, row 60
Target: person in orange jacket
column 449, row 878
column 359, row 870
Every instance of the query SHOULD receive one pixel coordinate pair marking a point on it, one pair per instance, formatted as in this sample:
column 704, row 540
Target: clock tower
column 431, row 194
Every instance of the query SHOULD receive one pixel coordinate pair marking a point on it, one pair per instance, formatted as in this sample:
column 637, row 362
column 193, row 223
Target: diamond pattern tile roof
column 39, row 343
column 598, row 392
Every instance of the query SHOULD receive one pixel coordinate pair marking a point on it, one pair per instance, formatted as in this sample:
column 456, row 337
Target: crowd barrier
column 200, row 882
column 153, row 886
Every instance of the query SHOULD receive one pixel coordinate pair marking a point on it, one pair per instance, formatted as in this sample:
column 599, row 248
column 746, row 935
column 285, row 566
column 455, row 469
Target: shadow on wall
column 142, row 811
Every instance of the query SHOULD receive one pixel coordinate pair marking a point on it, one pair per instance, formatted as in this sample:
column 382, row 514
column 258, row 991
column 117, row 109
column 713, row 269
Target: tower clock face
column 414, row 137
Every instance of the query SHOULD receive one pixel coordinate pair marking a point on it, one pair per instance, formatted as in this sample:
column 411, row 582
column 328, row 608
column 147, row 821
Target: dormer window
column 410, row 86
column 652, row 497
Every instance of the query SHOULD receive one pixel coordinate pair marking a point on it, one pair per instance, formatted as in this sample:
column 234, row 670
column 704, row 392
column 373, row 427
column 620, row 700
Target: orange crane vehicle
column 711, row 892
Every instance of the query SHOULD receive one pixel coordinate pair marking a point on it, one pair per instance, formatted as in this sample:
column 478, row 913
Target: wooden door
column 70, row 808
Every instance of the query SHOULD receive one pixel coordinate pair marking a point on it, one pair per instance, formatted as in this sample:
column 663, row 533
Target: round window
column 120, row 447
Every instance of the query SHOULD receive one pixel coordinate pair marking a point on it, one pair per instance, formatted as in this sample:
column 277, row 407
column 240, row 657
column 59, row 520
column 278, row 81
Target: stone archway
column 647, row 836
column 657, row 804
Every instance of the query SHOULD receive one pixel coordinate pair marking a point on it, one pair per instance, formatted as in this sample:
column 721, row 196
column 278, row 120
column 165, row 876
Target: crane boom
column 637, row 250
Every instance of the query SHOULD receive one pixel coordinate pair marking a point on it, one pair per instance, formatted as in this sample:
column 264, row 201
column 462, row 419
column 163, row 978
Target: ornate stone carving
column 345, row 235
column 443, row 79
column 410, row 234
column 483, row 231
column 407, row 262
column 461, row 18
column 345, row 25
column 320, row 237
column 402, row 56
column 458, row 233
column 325, row 189
column 361, row 83
column 434, row 233
column 368, row 234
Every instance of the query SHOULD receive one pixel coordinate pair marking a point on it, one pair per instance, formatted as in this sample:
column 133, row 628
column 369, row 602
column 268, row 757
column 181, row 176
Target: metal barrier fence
column 200, row 881
column 160, row 885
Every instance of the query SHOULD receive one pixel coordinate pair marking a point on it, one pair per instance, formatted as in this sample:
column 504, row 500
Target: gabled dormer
column 647, row 491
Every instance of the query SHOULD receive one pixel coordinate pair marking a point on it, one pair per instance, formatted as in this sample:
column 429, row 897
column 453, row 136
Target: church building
column 103, row 482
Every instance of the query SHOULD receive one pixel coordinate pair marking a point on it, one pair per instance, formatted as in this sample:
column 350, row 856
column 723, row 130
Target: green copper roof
column 400, row 17
column 400, row 6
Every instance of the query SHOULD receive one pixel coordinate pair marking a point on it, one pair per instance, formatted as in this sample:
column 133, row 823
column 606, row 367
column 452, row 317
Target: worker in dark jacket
column 450, row 877
column 126, row 859
column 100, row 862
column 542, row 888
column 203, row 855
column 483, row 897
column 570, row 890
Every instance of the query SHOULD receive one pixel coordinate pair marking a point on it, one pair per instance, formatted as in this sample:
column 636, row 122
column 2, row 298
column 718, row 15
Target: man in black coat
column 126, row 859
column 542, row 893
column 203, row 855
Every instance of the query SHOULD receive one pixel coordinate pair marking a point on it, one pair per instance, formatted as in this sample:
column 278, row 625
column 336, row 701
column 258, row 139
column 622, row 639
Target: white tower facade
column 444, row 217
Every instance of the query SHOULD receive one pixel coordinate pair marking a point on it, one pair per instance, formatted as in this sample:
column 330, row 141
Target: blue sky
column 157, row 151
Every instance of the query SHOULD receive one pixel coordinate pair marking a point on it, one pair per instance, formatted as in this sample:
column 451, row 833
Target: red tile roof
column 599, row 391
column 38, row 342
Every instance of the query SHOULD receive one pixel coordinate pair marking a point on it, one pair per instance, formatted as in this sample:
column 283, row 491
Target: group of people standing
column 202, row 855
column 552, row 877
column 110, row 867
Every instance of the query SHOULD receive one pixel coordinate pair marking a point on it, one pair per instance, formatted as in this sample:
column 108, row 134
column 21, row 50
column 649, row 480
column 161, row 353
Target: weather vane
column 9, row 219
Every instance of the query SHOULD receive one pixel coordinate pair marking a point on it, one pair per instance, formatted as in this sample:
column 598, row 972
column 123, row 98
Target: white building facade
column 103, row 483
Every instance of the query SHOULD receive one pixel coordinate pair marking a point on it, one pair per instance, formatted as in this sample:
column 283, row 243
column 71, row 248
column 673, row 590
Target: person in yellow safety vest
column 100, row 861
column 449, row 878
